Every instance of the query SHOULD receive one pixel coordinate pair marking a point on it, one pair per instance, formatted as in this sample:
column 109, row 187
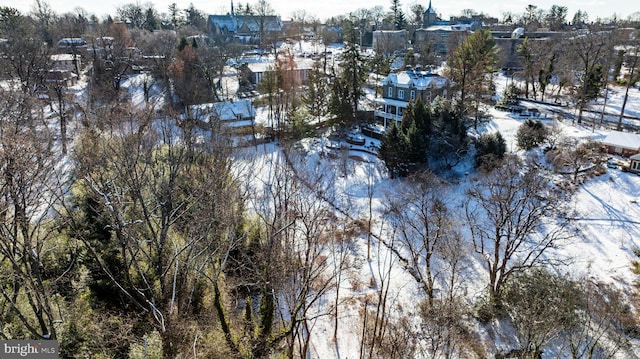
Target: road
column 609, row 120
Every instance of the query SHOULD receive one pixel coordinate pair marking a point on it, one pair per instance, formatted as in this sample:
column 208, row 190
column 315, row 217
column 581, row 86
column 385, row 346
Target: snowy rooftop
column 269, row 65
column 457, row 27
column 622, row 139
column 225, row 111
column 64, row 57
column 420, row 79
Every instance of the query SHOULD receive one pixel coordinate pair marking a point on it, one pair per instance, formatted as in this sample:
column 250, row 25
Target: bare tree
column 424, row 225
column 601, row 322
column 589, row 51
column 576, row 157
column 435, row 257
column 527, row 301
column 512, row 218
column 633, row 60
column 172, row 211
column 27, row 55
column 30, row 193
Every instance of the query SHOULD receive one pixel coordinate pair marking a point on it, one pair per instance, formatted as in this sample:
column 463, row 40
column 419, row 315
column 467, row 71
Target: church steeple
column 429, row 17
column 232, row 13
column 430, row 9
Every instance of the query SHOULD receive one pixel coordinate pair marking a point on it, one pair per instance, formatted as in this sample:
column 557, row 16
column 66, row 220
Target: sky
column 327, row 8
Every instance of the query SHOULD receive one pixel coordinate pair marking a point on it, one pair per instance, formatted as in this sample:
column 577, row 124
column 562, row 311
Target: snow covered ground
column 605, row 214
column 605, row 222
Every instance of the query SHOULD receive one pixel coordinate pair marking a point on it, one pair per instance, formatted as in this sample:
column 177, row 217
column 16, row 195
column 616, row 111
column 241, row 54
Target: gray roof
column 233, row 24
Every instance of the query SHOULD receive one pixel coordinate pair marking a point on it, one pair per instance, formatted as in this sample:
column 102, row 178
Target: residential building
column 234, row 114
column 254, row 71
column 60, row 78
column 399, row 89
column 248, row 29
column 72, row 45
column 634, row 164
column 66, row 62
column 622, row 143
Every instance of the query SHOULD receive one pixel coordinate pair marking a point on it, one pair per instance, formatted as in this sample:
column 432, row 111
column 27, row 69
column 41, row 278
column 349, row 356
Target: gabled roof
column 623, row 140
column 225, row 111
column 232, row 23
column 421, row 80
column 227, row 23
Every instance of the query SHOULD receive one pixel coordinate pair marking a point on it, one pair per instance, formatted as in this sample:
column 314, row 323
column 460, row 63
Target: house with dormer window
column 399, row 89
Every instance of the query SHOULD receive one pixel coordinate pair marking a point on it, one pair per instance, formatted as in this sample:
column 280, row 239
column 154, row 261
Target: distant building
column 509, row 41
column 399, row 89
column 66, row 62
column 389, row 41
column 72, row 45
column 245, row 28
column 437, row 33
column 254, row 71
column 234, row 114
column 439, row 37
column 60, row 78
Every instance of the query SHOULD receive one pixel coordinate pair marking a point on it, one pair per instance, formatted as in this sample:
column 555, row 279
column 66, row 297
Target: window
column 412, row 94
column 401, row 94
column 635, row 165
column 390, row 92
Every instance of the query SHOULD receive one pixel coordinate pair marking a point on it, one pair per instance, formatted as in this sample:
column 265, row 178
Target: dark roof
column 232, row 23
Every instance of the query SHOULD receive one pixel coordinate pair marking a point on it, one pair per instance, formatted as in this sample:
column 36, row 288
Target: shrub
column 490, row 150
column 531, row 134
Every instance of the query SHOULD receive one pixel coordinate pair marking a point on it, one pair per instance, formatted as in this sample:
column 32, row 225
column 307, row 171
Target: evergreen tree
column 183, row 43
column 531, row 133
column 339, row 101
column 593, row 82
column 470, row 67
column 490, row 150
column 151, row 22
column 174, row 15
column 393, row 151
column 348, row 84
column 399, row 21
column 316, row 91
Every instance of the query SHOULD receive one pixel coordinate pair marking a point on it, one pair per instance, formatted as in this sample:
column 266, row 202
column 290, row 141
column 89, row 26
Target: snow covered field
column 604, row 212
column 605, row 223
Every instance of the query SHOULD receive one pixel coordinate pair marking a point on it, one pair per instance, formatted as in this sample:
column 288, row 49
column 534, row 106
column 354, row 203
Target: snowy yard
column 604, row 213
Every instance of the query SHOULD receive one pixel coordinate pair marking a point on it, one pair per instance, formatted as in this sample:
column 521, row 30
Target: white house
column 398, row 89
column 236, row 114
